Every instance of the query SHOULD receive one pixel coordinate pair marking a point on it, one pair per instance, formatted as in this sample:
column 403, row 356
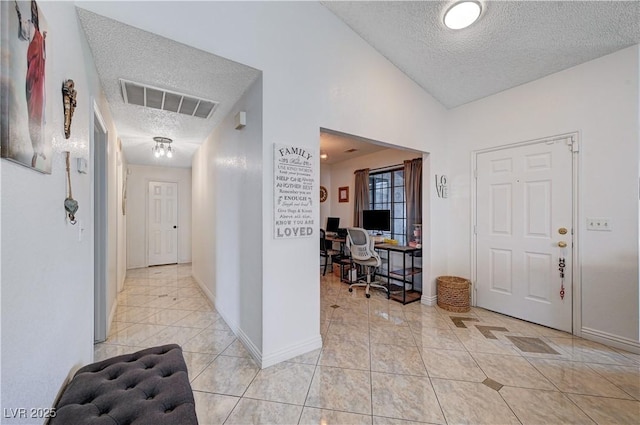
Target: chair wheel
column 350, row 289
column 368, row 295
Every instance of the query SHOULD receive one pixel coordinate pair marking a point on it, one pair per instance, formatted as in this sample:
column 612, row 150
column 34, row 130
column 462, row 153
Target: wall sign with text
column 293, row 192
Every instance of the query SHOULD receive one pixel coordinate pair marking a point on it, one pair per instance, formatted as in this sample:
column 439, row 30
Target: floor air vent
column 154, row 97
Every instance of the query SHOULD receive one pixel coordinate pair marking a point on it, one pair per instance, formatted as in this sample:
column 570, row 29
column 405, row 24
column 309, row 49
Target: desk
column 336, row 238
column 399, row 292
column 343, row 260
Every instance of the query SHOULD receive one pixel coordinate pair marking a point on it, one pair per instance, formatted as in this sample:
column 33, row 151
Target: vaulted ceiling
column 513, row 42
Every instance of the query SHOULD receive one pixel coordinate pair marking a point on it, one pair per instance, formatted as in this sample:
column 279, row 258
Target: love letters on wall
column 293, row 191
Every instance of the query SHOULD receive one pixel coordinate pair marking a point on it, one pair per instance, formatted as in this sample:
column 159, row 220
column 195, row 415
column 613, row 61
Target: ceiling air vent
column 166, row 100
column 352, row 150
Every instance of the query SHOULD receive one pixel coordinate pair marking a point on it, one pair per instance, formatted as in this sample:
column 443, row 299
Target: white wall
column 47, row 272
column 227, row 216
column 317, row 73
column 325, row 207
column 599, row 99
column 137, row 207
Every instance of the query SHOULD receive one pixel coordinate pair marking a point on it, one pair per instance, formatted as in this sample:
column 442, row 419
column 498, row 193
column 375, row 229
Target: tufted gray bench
column 147, row 387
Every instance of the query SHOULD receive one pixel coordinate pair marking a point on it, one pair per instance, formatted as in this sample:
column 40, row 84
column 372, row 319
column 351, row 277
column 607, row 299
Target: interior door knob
column 562, row 244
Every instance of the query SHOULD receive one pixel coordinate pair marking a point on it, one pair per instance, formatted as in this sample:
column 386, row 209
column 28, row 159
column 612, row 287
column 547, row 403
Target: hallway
column 382, row 363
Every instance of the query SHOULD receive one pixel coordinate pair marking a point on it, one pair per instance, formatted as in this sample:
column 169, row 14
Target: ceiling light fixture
column 323, row 156
column 162, row 147
column 462, row 14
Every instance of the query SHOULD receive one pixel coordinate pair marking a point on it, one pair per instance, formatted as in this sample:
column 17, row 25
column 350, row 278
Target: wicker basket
column 454, row 293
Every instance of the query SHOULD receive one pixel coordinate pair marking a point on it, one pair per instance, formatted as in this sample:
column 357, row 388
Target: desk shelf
column 405, row 275
column 402, row 273
column 408, row 297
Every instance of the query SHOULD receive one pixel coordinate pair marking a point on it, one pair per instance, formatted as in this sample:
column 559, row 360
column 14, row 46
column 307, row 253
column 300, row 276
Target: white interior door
column 163, row 223
column 524, row 204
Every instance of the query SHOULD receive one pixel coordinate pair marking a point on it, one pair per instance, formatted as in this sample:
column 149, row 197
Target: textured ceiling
column 512, row 43
column 122, row 51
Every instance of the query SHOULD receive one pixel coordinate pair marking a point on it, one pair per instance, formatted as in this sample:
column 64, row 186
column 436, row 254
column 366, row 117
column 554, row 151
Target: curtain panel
column 361, row 198
column 413, row 194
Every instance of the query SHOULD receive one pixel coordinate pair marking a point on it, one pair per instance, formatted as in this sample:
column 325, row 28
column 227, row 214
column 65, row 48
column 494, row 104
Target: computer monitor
column 333, row 223
column 379, row 220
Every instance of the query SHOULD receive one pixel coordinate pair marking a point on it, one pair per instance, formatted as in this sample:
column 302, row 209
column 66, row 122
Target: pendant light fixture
column 162, row 147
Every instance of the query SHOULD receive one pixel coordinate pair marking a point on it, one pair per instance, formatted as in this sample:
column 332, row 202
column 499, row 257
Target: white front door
column 524, row 214
column 163, row 223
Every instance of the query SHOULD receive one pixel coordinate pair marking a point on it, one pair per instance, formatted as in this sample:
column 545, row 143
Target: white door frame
column 575, row 252
column 100, row 223
column 146, row 218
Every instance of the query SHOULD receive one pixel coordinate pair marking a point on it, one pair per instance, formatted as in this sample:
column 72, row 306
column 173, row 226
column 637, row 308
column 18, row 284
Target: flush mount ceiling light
column 162, row 147
column 462, row 14
column 323, row 156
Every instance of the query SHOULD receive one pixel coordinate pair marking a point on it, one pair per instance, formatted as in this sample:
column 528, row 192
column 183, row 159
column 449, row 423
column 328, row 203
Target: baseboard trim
column 292, row 351
column 273, row 358
column 248, row 344
column 611, row 340
column 429, row 300
column 204, row 288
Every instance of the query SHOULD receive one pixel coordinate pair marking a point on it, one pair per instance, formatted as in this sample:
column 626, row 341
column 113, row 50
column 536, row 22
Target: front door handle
column 562, row 244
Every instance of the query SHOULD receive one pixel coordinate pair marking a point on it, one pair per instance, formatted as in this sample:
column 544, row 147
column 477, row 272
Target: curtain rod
column 388, row 167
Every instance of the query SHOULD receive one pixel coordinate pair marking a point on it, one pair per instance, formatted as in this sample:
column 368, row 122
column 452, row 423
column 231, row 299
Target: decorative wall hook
column 69, row 101
column 70, row 204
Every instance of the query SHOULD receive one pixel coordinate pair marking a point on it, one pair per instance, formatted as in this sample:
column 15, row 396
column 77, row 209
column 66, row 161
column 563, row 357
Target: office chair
column 362, row 253
column 326, row 251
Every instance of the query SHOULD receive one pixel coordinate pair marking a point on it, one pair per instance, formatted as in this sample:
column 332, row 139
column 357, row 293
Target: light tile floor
column 382, row 363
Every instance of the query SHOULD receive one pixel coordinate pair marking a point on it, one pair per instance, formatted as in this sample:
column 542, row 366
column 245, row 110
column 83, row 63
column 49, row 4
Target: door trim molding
column 99, row 183
column 576, row 297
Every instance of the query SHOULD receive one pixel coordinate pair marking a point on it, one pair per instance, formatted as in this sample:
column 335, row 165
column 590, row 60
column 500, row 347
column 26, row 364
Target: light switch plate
column 602, row 224
column 82, row 165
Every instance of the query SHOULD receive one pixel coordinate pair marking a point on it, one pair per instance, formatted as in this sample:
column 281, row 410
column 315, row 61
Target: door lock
column 562, row 230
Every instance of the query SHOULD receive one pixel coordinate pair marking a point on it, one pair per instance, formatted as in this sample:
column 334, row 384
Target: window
column 386, row 192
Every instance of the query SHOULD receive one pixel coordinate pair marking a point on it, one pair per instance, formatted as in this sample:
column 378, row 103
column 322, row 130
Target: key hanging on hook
column 561, row 267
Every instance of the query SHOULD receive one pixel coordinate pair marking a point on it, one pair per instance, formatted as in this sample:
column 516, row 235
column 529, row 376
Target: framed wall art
column 343, row 194
column 24, row 107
